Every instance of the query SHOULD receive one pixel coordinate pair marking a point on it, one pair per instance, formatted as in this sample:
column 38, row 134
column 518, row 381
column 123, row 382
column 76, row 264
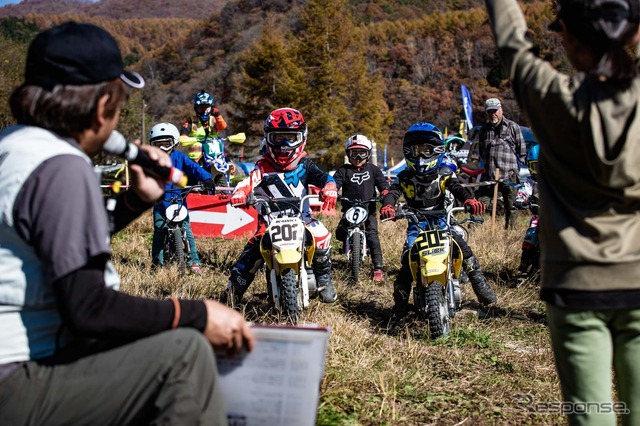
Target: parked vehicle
column 436, row 263
column 355, row 246
column 287, row 248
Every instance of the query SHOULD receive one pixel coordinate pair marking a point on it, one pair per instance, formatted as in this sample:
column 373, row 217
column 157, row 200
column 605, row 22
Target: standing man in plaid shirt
column 502, row 146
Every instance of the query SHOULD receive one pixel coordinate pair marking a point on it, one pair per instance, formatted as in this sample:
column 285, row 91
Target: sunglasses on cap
column 358, row 154
column 285, row 139
column 426, row 150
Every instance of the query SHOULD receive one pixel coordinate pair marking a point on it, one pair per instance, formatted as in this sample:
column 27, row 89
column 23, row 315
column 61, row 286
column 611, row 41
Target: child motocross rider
column 283, row 171
column 199, row 132
column 359, row 179
column 165, row 136
column 430, row 173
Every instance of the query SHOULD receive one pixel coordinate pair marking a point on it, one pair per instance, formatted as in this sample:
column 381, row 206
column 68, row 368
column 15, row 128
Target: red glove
column 387, row 212
column 216, row 112
column 329, row 196
column 476, row 207
column 239, row 197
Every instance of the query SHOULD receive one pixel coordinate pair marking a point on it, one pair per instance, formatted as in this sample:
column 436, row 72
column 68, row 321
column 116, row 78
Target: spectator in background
column 74, row 349
column 501, row 145
column 588, row 128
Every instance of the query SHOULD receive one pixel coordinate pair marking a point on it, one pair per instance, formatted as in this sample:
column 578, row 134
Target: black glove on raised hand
column 209, row 186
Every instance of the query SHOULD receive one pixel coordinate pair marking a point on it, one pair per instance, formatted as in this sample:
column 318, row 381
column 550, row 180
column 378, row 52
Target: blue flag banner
column 466, row 106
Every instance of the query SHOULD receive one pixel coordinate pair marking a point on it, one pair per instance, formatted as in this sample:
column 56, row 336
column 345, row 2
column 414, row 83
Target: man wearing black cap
column 588, row 128
column 73, row 349
column 501, row 146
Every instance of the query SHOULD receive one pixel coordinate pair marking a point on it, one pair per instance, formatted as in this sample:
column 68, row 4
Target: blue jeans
column 587, row 345
column 159, row 233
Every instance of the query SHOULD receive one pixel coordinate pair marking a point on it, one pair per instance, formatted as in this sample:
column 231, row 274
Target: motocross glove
column 387, row 212
column 216, row 112
column 239, row 197
column 329, row 196
column 476, row 207
column 209, row 186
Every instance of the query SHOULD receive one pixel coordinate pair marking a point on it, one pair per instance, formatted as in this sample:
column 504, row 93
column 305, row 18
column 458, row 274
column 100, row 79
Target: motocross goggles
column 533, row 167
column 358, row 154
column 202, row 109
column 285, row 139
column 165, row 144
column 426, row 150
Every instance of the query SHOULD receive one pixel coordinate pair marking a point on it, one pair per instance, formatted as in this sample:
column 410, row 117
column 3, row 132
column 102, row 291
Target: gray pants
column 166, row 379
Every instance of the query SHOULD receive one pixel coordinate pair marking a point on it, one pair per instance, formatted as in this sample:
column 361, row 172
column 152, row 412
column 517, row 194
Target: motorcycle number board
column 214, row 216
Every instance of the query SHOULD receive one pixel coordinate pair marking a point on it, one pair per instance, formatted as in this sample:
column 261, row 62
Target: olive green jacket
column 589, row 135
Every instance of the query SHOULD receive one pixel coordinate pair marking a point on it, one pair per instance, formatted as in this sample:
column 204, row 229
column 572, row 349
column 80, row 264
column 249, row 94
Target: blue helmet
column 423, row 148
column 532, row 159
column 202, row 104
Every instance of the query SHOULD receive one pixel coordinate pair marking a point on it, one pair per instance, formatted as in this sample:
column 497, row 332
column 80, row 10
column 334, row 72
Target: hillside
column 349, row 66
column 116, row 9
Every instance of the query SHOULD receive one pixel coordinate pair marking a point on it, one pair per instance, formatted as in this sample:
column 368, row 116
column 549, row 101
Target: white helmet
column 164, row 136
column 358, row 147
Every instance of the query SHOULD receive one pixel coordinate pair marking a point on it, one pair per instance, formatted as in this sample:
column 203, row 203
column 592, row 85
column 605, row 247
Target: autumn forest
column 349, row 66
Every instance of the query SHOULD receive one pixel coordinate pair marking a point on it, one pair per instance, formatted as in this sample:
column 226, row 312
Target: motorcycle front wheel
column 175, row 249
column 291, row 295
column 355, row 261
column 437, row 310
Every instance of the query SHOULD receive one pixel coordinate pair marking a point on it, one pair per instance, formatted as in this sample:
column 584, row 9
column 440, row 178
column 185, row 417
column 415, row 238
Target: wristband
column 176, row 314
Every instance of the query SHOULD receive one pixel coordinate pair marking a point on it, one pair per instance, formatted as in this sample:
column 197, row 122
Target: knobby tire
column 356, row 257
column 437, row 310
column 291, row 295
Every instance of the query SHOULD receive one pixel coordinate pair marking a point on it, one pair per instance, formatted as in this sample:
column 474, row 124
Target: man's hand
column 226, row 329
column 476, row 207
column 148, row 187
column 388, row 212
column 329, row 196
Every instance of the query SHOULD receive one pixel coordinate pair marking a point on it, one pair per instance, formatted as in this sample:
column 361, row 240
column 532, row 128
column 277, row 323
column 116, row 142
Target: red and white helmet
column 285, row 133
column 358, row 147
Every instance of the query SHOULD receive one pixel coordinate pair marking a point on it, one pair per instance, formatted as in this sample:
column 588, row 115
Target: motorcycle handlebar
column 360, row 202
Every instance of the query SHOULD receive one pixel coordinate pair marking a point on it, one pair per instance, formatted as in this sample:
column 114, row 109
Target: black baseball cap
column 76, row 54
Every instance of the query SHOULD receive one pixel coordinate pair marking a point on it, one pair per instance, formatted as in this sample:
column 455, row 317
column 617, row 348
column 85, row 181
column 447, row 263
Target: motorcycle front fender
column 288, row 259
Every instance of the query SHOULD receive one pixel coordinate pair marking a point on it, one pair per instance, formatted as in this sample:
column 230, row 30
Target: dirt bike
column 210, row 154
column 355, row 246
column 176, row 245
column 287, row 248
column 435, row 265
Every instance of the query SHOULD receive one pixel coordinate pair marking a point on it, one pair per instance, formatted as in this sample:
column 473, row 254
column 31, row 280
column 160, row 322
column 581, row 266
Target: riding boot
column 242, row 274
column 402, row 288
column 479, row 283
column 322, row 270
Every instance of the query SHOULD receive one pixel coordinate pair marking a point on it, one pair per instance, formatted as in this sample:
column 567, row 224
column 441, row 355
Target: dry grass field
column 489, row 370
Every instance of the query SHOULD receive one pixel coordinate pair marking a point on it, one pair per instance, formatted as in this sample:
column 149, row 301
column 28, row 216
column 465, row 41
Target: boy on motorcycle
column 359, row 180
column 166, row 136
column 528, row 199
column 430, row 173
column 283, row 171
column 205, row 125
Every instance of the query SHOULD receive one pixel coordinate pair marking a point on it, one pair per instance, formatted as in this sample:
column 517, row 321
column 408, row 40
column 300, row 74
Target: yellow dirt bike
column 287, row 248
column 436, row 262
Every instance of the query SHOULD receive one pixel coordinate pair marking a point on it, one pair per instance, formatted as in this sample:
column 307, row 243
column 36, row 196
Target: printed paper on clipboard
column 278, row 383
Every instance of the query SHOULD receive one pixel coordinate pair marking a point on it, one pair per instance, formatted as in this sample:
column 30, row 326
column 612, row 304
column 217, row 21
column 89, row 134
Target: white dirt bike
column 355, row 246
